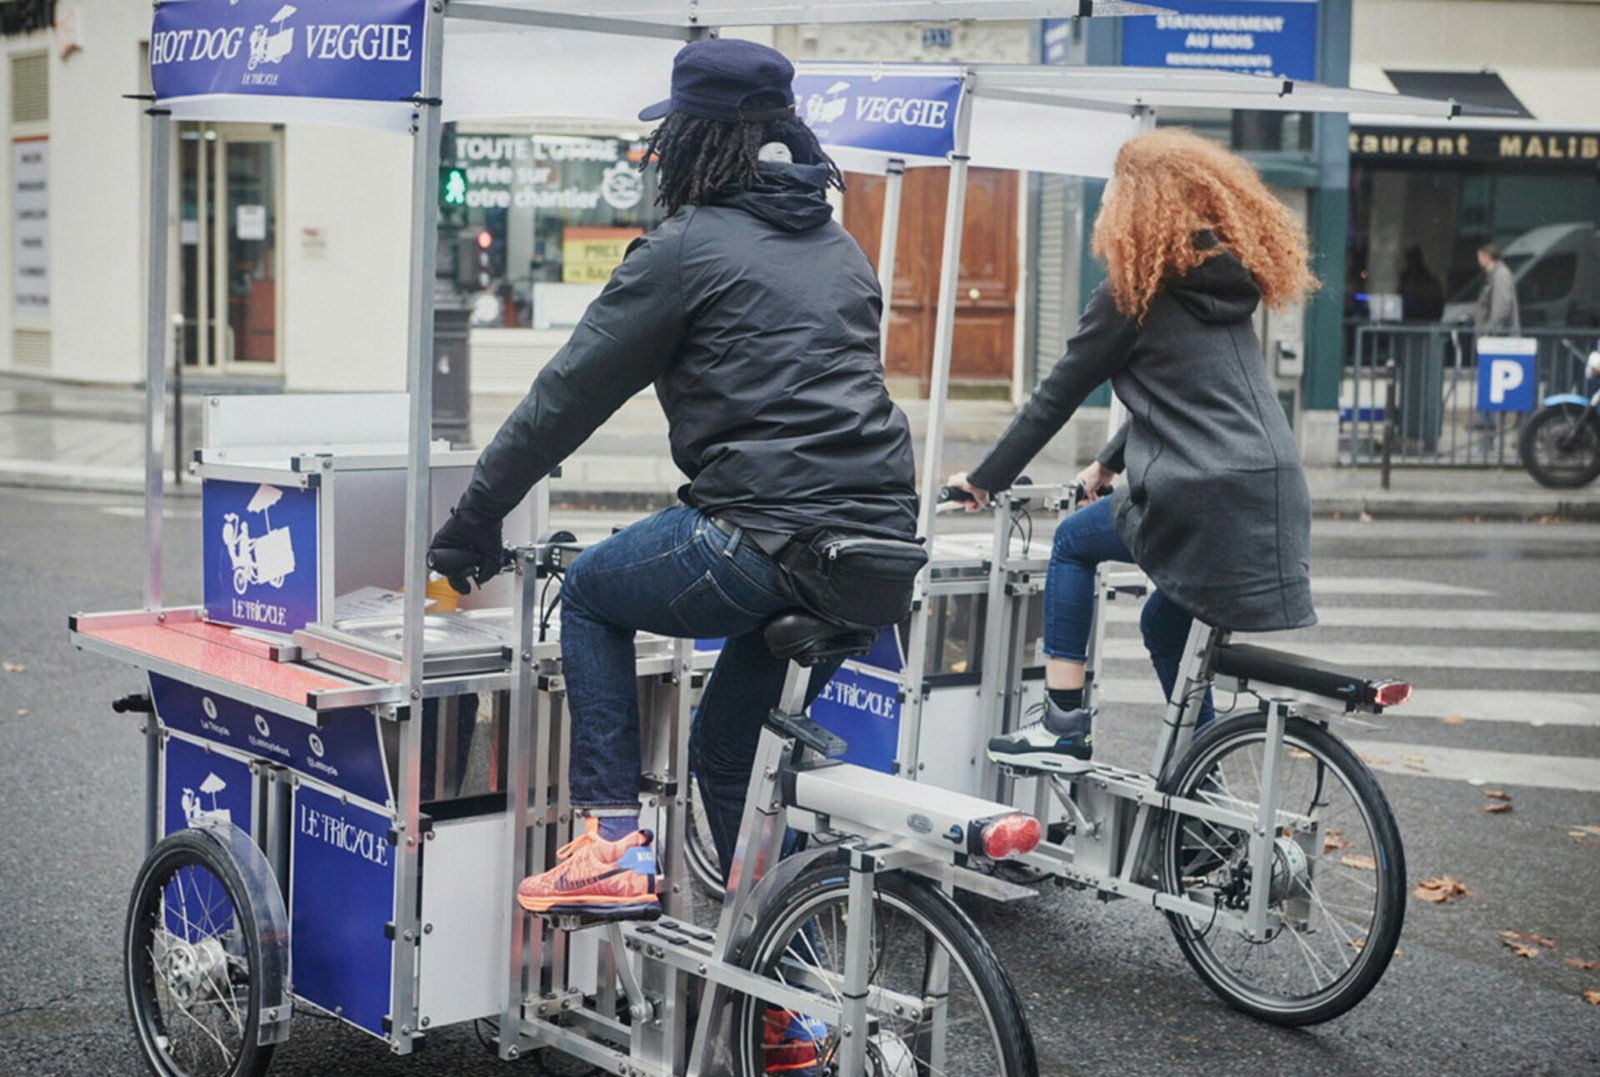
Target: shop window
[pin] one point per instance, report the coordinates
(1549, 280)
(533, 224)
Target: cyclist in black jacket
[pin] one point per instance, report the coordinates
(755, 315)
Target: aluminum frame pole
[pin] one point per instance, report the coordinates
(933, 446)
(425, 132)
(893, 175)
(155, 375)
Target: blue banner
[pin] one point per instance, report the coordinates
(865, 711)
(260, 554)
(343, 753)
(341, 897)
(1252, 37)
(913, 115)
(369, 50)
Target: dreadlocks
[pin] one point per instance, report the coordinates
(695, 157)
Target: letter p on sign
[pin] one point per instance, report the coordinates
(1505, 373)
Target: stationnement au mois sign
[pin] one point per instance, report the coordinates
(1575, 149)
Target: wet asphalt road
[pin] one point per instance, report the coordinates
(1107, 992)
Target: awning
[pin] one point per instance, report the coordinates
(1558, 98)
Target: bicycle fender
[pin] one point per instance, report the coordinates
(272, 924)
(1566, 398)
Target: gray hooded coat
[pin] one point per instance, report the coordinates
(1215, 507)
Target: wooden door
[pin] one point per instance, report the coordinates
(986, 290)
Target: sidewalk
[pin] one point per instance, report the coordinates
(72, 437)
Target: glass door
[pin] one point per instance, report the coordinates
(230, 246)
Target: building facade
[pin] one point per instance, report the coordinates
(289, 252)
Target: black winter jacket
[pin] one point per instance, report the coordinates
(1215, 508)
(757, 319)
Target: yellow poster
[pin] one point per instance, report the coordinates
(588, 255)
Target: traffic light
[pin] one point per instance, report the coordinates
(452, 195)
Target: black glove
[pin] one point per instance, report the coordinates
(467, 548)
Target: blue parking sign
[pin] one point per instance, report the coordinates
(1506, 373)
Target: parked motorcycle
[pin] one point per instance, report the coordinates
(1560, 445)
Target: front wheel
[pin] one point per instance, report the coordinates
(1337, 879)
(939, 1001)
(192, 955)
(1560, 446)
(700, 851)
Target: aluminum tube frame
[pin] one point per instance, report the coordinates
(933, 446)
(893, 178)
(155, 331)
(556, 20)
(404, 985)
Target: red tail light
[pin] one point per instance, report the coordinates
(1391, 693)
(1010, 835)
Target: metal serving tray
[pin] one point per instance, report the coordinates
(453, 643)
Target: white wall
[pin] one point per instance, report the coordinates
(96, 208)
(345, 312)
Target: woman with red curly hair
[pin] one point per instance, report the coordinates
(1215, 507)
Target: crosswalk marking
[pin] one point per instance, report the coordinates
(1424, 617)
(1383, 658)
(1491, 767)
(1431, 704)
(1386, 585)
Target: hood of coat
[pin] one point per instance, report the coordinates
(1220, 289)
(787, 196)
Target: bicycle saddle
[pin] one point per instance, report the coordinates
(808, 639)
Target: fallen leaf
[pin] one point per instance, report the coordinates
(1359, 944)
(1359, 862)
(1298, 753)
(1452, 719)
(1441, 890)
(1374, 761)
(1415, 762)
(1338, 514)
(1497, 794)
(1591, 996)
(13, 667)
(1333, 841)
(22, 712)
(1579, 829)
(1496, 809)
(1528, 938)
(1521, 950)
(1579, 963)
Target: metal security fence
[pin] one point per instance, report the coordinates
(1417, 387)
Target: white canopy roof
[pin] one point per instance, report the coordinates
(1040, 118)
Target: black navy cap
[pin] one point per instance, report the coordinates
(713, 78)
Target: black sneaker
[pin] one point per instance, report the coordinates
(1061, 741)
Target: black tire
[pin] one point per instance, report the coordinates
(1560, 446)
(176, 984)
(986, 1034)
(700, 851)
(1314, 929)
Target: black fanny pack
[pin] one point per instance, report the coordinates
(858, 581)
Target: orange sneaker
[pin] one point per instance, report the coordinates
(597, 879)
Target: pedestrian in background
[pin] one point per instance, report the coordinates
(1497, 303)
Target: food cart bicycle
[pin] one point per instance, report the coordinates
(332, 769)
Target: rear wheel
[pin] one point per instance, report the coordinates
(1337, 879)
(192, 955)
(939, 1002)
(1560, 446)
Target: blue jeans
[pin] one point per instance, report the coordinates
(674, 574)
(1083, 540)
